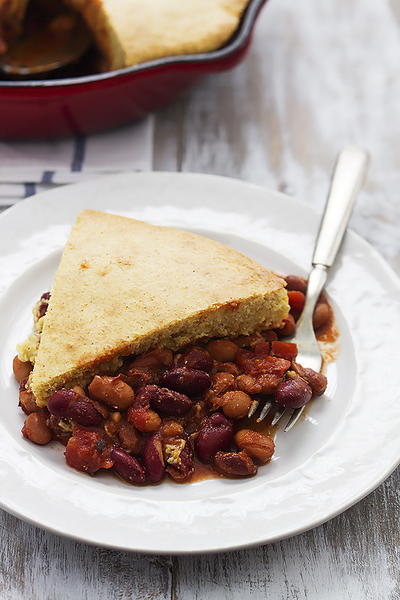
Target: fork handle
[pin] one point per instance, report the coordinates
(347, 179)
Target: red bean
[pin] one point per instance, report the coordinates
(187, 381)
(234, 464)
(223, 350)
(293, 393)
(68, 404)
(164, 401)
(196, 358)
(215, 434)
(153, 458)
(299, 284)
(21, 369)
(317, 381)
(127, 466)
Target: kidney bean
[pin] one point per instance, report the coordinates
(112, 391)
(58, 403)
(296, 300)
(289, 326)
(137, 378)
(216, 434)
(223, 350)
(144, 419)
(285, 350)
(321, 316)
(130, 439)
(259, 447)
(296, 283)
(127, 466)
(84, 413)
(187, 381)
(316, 381)
(21, 369)
(179, 458)
(293, 393)
(153, 458)
(69, 404)
(196, 358)
(235, 405)
(35, 428)
(166, 402)
(234, 464)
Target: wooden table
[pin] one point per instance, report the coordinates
(320, 74)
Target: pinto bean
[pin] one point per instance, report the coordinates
(21, 369)
(36, 430)
(113, 391)
(235, 404)
(321, 316)
(317, 381)
(259, 447)
(223, 350)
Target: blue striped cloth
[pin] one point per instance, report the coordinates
(29, 167)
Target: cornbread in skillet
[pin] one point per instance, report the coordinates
(134, 31)
(12, 13)
(124, 286)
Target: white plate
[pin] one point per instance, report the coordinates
(348, 444)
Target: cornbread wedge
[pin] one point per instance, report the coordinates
(124, 286)
(133, 31)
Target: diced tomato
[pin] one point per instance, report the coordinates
(88, 451)
(262, 348)
(296, 300)
(267, 364)
(285, 350)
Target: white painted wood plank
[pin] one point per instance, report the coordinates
(36, 565)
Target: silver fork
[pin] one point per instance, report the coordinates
(347, 179)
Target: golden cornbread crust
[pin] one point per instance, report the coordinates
(133, 31)
(124, 286)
